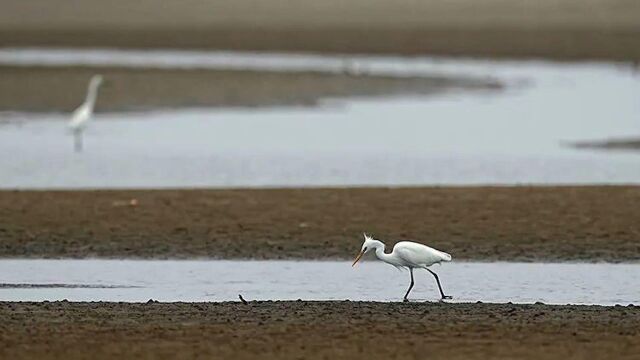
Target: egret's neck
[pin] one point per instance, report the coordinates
(92, 94)
(380, 254)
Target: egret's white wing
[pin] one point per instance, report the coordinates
(419, 255)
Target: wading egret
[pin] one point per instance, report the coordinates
(407, 254)
(84, 112)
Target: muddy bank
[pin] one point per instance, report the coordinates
(603, 29)
(316, 330)
(627, 144)
(591, 223)
(506, 43)
(64, 88)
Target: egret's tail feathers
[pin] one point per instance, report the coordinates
(445, 257)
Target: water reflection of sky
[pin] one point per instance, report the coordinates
(165, 280)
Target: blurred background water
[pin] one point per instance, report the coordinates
(518, 135)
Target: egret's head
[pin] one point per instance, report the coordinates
(96, 80)
(368, 245)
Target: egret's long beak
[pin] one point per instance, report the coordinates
(357, 258)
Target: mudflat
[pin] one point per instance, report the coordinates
(568, 29)
(129, 89)
(317, 330)
(589, 223)
(620, 144)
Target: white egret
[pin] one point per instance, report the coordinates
(84, 112)
(407, 254)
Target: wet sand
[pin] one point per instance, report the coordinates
(626, 144)
(590, 223)
(570, 29)
(140, 89)
(318, 330)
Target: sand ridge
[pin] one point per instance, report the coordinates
(143, 89)
(568, 29)
(316, 330)
(588, 223)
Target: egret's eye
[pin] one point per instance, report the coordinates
(365, 249)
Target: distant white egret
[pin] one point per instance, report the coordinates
(407, 254)
(351, 68)
(84, 112)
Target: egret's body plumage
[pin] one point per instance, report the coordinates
(80, 117)
(83, 114)
(407, 254)
(419, 255)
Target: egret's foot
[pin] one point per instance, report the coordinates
(405, 300)
(446, 297)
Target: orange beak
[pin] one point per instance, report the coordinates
(357, 258)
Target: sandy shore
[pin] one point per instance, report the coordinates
(317, 330)
(137, 89)
(625, 144)
(569, 29)
(474, 223)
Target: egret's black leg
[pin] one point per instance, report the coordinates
(410, 286)
(77, 141)
(439, 286)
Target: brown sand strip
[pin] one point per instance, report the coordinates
(630, 143)
(135, 89)
(557, 44)
(592, 223)
(316, 330)
(567, 29)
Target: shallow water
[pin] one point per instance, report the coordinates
(510, 137)
(136, 281)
